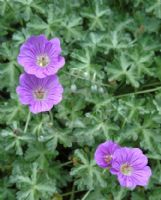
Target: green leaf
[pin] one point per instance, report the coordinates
(6, 190)
(86, 172)
(34, 186)
(8, 67)
(122, 69)
(38, 152)
(97, 17)
(14, 139)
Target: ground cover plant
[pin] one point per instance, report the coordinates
(109, 77)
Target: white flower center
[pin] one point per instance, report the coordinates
(42, 60)
(107, 158)
(126, 169)
(39, 94)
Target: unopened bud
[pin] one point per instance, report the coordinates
(94, 88)
(73, 88)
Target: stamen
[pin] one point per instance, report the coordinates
(42, 60)
(108, 158)
(39, 94)
(126, 169)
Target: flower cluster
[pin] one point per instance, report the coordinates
(128, 164)
(39, 86)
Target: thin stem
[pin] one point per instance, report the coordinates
(151, 84)
(66, 163)
(82, 78)
(73, 192)
(122, 95)
(139, 92)
(85, 196)
(27, 122)
(51, 116)
(120, 194)
(104, 171)
(69, 193)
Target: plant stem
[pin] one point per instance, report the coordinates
(51, 116)
(139, 92)
(66, 163)
(119, 195)
(69, 193)
(73, 192)
(151, 84)
(85, 196)
(122, 95)
(82, 78)
(27, 122)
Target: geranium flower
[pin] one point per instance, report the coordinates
(130, 166)
(104, 153)
(41, 57)
(40, 94)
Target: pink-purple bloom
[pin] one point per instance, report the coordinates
(40, 94)
(41, 57)
(104, 153)
(130, 166)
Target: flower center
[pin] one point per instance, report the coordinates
(107, 158)
(39, 94)
(126, 169)
(42, 60)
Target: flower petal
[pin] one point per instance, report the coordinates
(142, 176)
(51, 87)
(105, 149)
(126, 181)
(37, 46)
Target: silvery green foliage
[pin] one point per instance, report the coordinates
(112, 90)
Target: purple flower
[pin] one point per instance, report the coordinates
(130, 166)
(39, 94)
(41, 57)
(104, 153)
